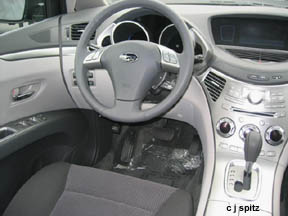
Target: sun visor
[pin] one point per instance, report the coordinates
(86, 4)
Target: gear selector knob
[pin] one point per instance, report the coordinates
(252, 149)
(253, 146)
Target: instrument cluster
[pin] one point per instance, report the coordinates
(152, 28)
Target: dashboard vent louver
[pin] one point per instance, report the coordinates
(259, 56)
(214, 85)
(77, 30)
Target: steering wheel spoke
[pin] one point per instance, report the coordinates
(93, 59)
(125, 109)
(169, 60)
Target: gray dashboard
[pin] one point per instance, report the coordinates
(46, 35)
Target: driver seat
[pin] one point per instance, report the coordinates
(66, 189)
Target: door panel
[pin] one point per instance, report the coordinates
(75, 136)
(50, 92)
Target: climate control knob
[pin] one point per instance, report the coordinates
(275, 135)
(225, 127)
(246, 129)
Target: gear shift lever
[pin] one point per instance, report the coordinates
(252, 149)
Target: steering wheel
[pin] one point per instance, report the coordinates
(134, 66)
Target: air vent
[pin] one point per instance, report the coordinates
(259, 56)
(77, 30)
(214, 85)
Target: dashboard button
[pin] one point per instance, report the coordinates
(233, 148)
(276, 77)
(256, 97)
(173, 58)
(240, 150)
(258, 77)
(226, 106)
(270, 154)
(253, 77)
(223, 145)
(90, 75)
(166, 57)
(91, 83)
(261, 122)
(263, 78)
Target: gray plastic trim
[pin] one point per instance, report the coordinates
(31, 37)
(29, 54)
(193, 109)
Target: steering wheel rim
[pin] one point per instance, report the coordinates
(128, 109)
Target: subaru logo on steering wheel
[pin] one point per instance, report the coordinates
(129, 57)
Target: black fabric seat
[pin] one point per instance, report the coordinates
(65, 189)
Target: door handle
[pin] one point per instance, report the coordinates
(22, 92)
(23, 96)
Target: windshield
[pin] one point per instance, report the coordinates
(11, 9)
(267, 3)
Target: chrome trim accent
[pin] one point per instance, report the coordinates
(132, 22)
(207, 48)
(238, 166)
(253, 49)
(129, 57)
(14, 131)
(93, 60)
(36, 53)
(162, 32)
(247, 129)
(107, 32)
(268, 133)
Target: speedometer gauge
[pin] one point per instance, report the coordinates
(170, 38)
(129, 30)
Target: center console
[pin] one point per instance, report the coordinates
(237, 109)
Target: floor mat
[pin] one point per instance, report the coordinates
(165, 165)
(166, 152)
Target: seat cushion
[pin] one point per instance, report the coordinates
(64, 189)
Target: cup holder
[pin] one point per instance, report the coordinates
(6, 132)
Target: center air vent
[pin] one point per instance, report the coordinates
(77, 30)
(214, 85)
(259, 56)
